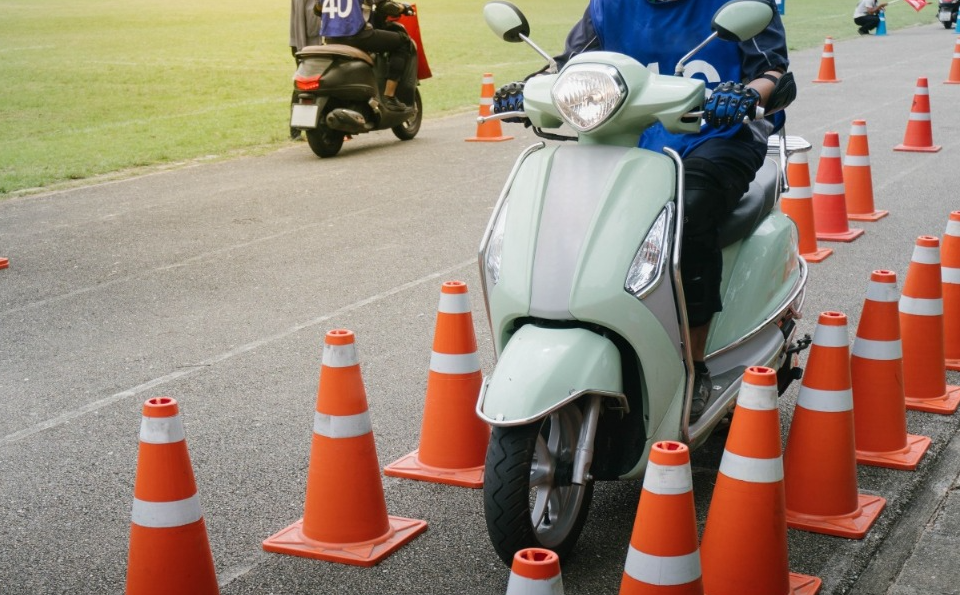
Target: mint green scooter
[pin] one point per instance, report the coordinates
(580, 273)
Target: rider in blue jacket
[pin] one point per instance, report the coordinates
(722, 159)
(351, 22)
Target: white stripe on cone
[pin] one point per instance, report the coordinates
(162, 515)
(340, 356)
(751, 469)
(662, 570)
(825, 401)
(342, 426)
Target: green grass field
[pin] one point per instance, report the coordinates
(105, 88)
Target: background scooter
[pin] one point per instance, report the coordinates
(947, 13)
(340, 92)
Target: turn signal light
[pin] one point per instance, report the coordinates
(306, 83)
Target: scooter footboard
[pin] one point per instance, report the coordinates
(542, 369)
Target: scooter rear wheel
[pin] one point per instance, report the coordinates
(325, 142)
(528, 497)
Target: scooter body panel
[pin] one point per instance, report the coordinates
(576, 216)
(759, 274)
(542, 368)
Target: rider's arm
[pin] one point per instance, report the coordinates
(765, 60)
(582, 38)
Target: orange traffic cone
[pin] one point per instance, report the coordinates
(921, 325)
(950, 275)
(453, 440)
(169, 550)
(797, 204)
(857, 176)
(488, 131)
(663, 557)
(954, 77)
(829, 196)
(744, 545)
(919, 134)
(876, 376)
(345, 516)
(828, 72)
(4, 262)
(535, 571)
(820, 463)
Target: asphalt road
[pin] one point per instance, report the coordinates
(215, 284)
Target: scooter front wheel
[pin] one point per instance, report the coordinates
(528, 497)
(411, 126)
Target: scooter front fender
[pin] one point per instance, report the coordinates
(542, 369)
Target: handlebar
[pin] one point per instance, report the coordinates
(500, 116)
(519, 114)
(699, 114)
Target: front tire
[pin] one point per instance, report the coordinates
(325, 142)
(411, 126)
(528, 497)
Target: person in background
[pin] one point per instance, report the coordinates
(353, 23)
(304, 31)
(867, 15)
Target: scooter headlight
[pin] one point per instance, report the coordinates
(494, 249)
(588, 94)
(648, 265)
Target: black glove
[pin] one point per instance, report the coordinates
(729, 104)
(318, 8)
(409, 11)
(391, 9)
(509, 98)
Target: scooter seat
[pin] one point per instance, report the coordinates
(754, 205)
(335, 49)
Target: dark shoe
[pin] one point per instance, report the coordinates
(393, 104)
(294, 134)
(702, 388)
(863, 31)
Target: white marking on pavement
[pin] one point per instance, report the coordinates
(161, 380)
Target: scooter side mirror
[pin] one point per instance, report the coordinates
(506, 21)
(740, 20)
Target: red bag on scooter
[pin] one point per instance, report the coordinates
(412, 25)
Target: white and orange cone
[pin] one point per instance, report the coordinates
(954, 77)
(797, 204)
(489, 131)
(876, 374)
(858, 177)
(828, 69)
(345, 516)
(535, 571)
(663, 557)
(919, 134)
(453, 439)
(950, 275)
(169, 550)
(744, 544)
(921, 325)
(820, 466)
(829, 195)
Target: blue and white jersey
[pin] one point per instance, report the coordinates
(342, 18)
(659, 34)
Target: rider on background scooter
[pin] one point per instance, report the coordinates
(723, 158)
(358, 24)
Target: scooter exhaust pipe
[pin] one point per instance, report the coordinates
(348, 121)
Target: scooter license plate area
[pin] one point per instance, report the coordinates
(945, 16)
(304, 116)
